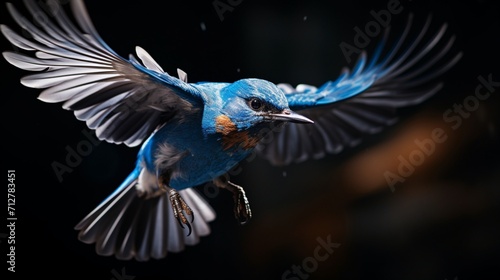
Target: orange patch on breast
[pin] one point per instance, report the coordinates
(231, 137)
(224, 125)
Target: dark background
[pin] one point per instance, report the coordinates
(441, 223)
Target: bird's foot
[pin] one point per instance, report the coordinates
(181, 209)
(242, 210)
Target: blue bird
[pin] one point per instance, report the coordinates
(193, 133)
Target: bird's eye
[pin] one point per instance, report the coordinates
(256, 104)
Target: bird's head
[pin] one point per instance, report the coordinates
(252, 103)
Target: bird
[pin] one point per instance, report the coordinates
(192, 133)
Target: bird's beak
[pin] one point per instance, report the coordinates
(289, 116)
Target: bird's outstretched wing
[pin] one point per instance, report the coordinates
(362, 101)
(123, 100)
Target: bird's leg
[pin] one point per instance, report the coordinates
(242, 210)
(163, 180)
(179, 206)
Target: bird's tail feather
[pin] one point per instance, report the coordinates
(129, 226)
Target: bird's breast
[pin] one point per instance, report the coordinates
(191, 157)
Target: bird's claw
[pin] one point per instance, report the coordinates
(242, 210)
(181, 209)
